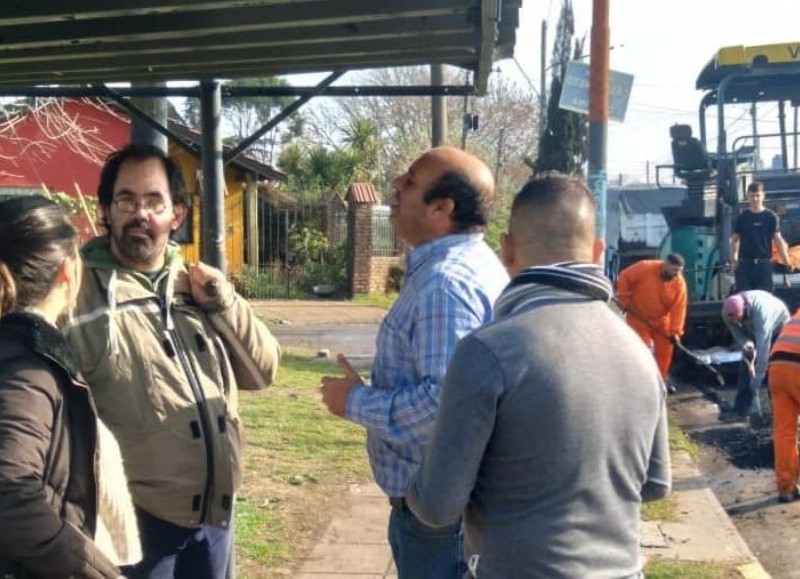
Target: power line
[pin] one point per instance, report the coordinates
(522, 71)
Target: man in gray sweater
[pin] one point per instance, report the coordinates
(552, 427)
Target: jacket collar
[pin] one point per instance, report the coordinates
(42, 337)
(569, 280)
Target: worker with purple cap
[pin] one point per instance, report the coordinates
(754, 317)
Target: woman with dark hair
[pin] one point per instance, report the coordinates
(52, 448)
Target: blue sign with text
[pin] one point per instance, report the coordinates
(575, 91)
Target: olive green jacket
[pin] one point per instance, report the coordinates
(164, 373)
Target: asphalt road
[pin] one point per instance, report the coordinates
(356, 341)
(739, 466)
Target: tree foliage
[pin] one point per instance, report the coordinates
(563, 142)
(507, 130)
(246, 115)
(316, 169)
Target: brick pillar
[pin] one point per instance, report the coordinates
(360, 244)
(360, 197)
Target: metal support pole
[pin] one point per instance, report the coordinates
(438, 109)
(726, 215)
(782, 124)
(794, 139)
(756, 140)
(598, 110)
(213, 200)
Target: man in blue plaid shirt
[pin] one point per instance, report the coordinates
(440, 207)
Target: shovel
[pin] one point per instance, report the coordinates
(694, 357)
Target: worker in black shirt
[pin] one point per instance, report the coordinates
(751, 243)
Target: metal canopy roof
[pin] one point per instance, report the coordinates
(145, 41)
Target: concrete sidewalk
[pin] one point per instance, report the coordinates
(355, 546)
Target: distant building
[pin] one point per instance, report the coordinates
(635, 224)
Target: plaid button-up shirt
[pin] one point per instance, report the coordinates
(450, 286)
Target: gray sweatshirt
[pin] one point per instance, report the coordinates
(552, 430)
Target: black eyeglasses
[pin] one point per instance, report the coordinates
(154, 205)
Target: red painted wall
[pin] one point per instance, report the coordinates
(61, 150)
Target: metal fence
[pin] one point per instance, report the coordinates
(303, 251)
(384, 242)
(300, 248)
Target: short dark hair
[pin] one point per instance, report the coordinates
(554, 215)
(471, 205)
(549, 189)
(676, 259)
(755, 186)
(110, 171)
(35, 239)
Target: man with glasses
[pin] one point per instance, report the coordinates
(164, 347)
(751, 243)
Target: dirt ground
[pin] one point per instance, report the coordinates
(739, 464)
(316, 312)
(309, 325)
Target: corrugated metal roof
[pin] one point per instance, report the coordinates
(263, 170)
(147, 41)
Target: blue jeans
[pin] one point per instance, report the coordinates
(423, 552)
(173, 552)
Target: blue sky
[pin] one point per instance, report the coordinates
(664, 44)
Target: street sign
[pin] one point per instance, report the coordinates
(575, 91)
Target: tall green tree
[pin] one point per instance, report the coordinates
(562, 143)
(314, 169)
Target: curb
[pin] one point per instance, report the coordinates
(753, 570)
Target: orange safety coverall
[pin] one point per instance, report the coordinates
(655, 309)
(784, 387)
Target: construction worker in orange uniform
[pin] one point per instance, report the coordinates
(784, 387)
(652, 293)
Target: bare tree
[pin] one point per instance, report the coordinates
(506, 134)
(56, 126)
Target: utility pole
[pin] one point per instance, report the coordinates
(498, 162)
(438, 110)
(543, 81)
(598, 110)
(465, 126)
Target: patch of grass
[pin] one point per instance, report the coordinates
(664, 510)
(662, 569)
(296, 453)
(378, 300)
(679, 441)
(667, 508)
